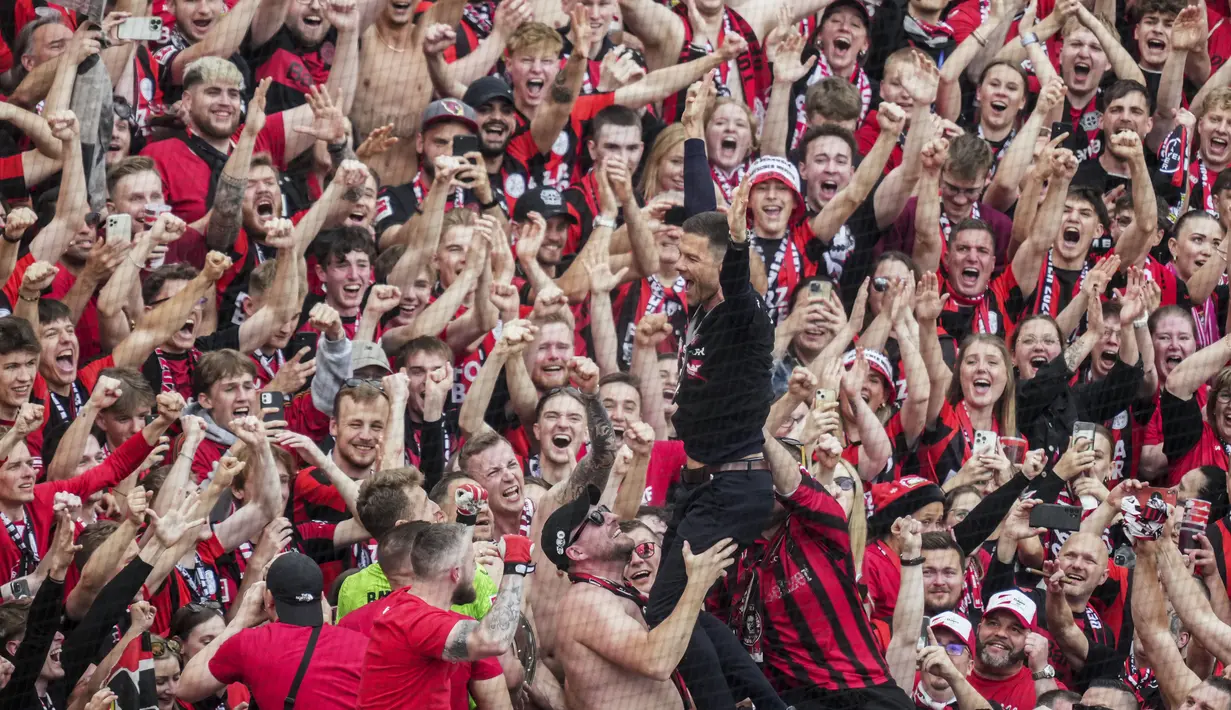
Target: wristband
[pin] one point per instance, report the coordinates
(1141, 322)
(11, 241)
(601, 221)
(488, 205)
(516, 551)
(522, 568)
(27, 300)
(915, 562)
(1029, 38)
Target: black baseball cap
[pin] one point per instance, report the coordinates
(858, 5)
(296, 582)
(558, 530)
(547, 201)
(487, 89)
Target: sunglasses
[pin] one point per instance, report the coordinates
(645, 550)
(594, 517)
(880, 284)
(359, 382)
(845, 483)
(161, 647)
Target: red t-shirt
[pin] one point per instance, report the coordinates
(361, 621)
(667, 458)
(186, 177)
(405, 651)
(89, 342)
(266, 659)
(1014, 693)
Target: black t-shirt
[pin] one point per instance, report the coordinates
(1091, 173)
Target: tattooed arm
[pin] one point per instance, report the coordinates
(471, 640)
(596, 466)
(226, 216)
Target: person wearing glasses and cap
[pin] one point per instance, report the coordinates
(616, 659)
(1004, 640)
(296, 660)
(944, 666)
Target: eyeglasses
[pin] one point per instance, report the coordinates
(971, 192)
(880, 284)
(645, 550)
(594, 517)
(123, 111)
(845, 483)
(957, 649)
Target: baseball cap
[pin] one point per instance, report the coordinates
(547, 201)
(295, 582)
(366, 354)
(877, 362)
(772, 167)
(487, 89)
(857, 5)
(449, 110)
(1014, 602)
(957, 624)
(558, 530)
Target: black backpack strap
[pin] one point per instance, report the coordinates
(303, 668)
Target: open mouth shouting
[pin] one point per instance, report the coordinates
(241, 410)
(264, 207)
(1071, 235)
(494, 132)
(561, 440)
(357, 216)
(1156, 44)
(511, 494)
(981, 385)
(202, 25)
(829, 189)
(1108, 357)
(534, 89)
(1218, 144)
(1038, 361)
(66, 361)
(728, 149)
(187, 330)
(400, 7)
(352, 292)
(1081, 71)
(313, 21)
(998, 106)
(968, 279)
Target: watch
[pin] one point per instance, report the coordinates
(601, 221)
(1029, 38)
(913, 562)
(1047, 673)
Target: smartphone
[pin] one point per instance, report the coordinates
(1059, 128)
(275, 401)
(1083, 430)
(141, 29)
(1056, 517)
(465, 144)
(985, 442)
(820, 290)
(149, 418)
(120, 228)
(299, 341)
(826, 395)
(923, 633)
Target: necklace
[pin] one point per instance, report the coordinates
(382, 41)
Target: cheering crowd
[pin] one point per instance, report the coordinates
(606, 354)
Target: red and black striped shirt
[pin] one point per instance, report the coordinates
(806, 613)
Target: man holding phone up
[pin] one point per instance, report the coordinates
(1079, 568)
(449, 128)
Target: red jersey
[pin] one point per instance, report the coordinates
(27, 540)
(187, 177)
(805, 572)
(1014, 693)
(89, 345)
(407, 642)
(866, 135)
(556, 169)
(266, 659)
(187, 586)
(667, 459)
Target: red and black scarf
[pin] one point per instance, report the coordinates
(753, 66)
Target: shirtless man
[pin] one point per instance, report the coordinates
(613, 658)
(489, 459)
(394, 84)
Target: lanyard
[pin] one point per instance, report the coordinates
(968, 428)
(420, 193)
(27, 544)
(946, 226)
(201, 585)
(77, 404)
(1049, 301)
(775, 299)
(268, 363)
(728, 182)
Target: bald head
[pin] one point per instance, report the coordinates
(1083, 560)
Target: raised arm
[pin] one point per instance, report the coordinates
(918, 384)
(223, 40)
(1132, 246)
(920, 80)
(929, 243)
(594, 468)
(1029, 258)
(1121, 61)
(71, 205)
(1198, 368)
(472, 640)
(652, 329)
(226, 214)
(658, 28)
(969, 58)
(1190, 602)
(553, 116)
(1011, 173)
(513, 340)
(1149, 609)
(661, 83)
(785, 51)
(834, 214)
(900, 655)
(162, 322)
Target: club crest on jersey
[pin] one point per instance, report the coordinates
(515, 185)
(560, 147)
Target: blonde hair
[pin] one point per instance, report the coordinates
(1074, 24)
(535, 36)
(459, 218)
(1219, 99)
(667, 140)
(212, 70)
(752, 121)
(857, 521)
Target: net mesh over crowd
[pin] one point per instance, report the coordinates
(615, 354)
